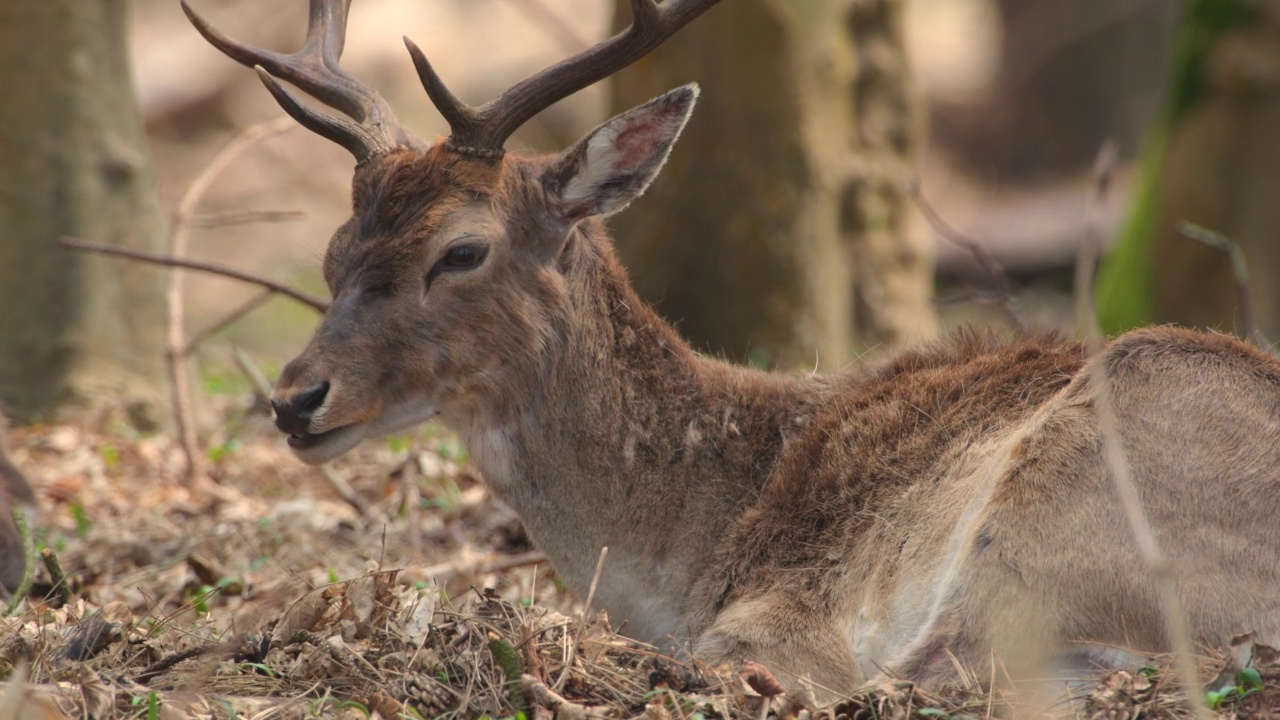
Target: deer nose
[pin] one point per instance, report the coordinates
(293, 416)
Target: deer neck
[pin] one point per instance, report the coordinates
(630, 440)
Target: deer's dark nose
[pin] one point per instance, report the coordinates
(293, 416)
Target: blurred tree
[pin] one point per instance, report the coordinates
(781, 228)
(1071, 76)
(77, 333)
(1213, 159)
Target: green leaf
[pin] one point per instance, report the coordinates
(1251, 679)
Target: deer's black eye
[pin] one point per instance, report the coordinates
(458, 258)
(462, 257)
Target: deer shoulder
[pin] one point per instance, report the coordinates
(915, 516)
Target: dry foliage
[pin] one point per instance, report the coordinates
(219, 601)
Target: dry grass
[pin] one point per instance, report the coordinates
(265, 594)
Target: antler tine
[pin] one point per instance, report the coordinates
(483, 131)
(316, 71)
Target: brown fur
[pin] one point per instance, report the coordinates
(14, 492)
(951, 502)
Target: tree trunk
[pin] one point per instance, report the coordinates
(780, 230)
(78, 334)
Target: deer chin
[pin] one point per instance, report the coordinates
(321, 447)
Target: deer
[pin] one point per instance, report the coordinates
(903, 517)
(15, 493)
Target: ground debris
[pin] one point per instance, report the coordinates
(265, 594)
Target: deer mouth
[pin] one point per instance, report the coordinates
(316, 448)
(321, 447)
(307, 441)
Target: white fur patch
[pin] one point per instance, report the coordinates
(623, 155)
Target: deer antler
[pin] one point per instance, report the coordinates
(482, 131)
(372, 129)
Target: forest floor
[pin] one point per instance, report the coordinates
(392, 585)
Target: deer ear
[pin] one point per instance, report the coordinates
(614, 164)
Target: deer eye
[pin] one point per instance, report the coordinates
(462, 257)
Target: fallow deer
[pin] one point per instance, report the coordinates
(15, 492)
(908, 516)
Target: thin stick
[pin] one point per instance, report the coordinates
(222, 323)
(1091, 244)
(29, 565)
(449, 571)
(61, 586)
(545, 697)
(1239, 268)
(261, 387)
(1117, 464)
(312, 301)
(595, 579)
(245, 217)
(345, 490)
(990, 266)
(176, 335)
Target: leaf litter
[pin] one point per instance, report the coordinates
(261, 591)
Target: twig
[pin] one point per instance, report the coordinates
(991, 267)
(61, 586)
(1117, 466)
(312, 301)
(345, 490)
(448, 571)
(1239, 268)
(595, 579)
(1091, 244)
(29, 557)
(245, 217)
(261, 387)
(543, 696)
(222, 323)
(166, 663)
(176, 335)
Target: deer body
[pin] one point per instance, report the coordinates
(933, 511)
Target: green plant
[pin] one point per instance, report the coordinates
(151, 701)
(199, 600)
(1248, 682)
(81, 517)
(231, 447)
(110, 455)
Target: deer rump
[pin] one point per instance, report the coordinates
(947, 509)
(965, 517)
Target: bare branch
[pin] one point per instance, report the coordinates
(245, 217)
(176, 338)
(448, 571)
(994, 271)
(222, 323)
(61, 584)
(312, 301)
(255, 376)
(1239, 268)
(1113, 455)
(23, 525)
(545, 697)
(1091, 244)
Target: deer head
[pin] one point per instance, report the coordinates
(448, 280)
